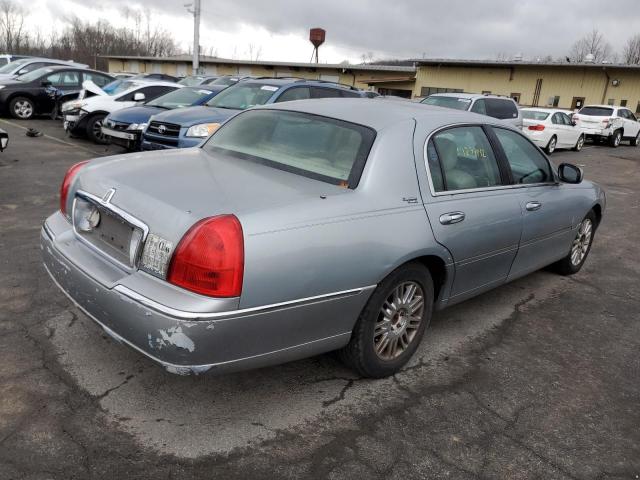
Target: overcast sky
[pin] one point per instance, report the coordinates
(476, 29)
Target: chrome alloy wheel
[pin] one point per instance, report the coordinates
(23, 109)
(552, 145)
(97, 130)
(582, 241)
(398, 320)
(580, 143)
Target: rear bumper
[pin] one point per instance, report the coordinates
(185, 342)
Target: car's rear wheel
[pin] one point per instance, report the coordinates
(614, 140)
(635, 141)
(94, 129)
(579, 144)
(551, 146)
(580, 247)
(392, 323)
(22, 108)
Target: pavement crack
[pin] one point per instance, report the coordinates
(113, 389)
(341, 395)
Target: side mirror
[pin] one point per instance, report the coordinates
(569, 173)
(45, 83)
(574, 123)
(138, 97)
(4, 140)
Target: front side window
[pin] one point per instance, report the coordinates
(527, 164)
(325, 149)
(243, 96)
(465, 160)
(456, 103)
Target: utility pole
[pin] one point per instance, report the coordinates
(196, 34)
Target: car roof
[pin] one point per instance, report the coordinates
(381, 113)
(546, 110)
(603, 106)
(286, 81)
(470, 96)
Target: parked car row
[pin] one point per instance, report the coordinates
(550, 128)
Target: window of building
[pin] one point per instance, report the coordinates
(638, 108)
(553, 101)
(426, 91)
(515, 96)
(611, 101)
(623, 103)
(486, 92)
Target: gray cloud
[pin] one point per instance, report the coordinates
(411, 28)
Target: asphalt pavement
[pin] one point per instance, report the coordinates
(539, 378)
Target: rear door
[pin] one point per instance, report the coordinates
(631, 125)
(472, 211)
(548, 216)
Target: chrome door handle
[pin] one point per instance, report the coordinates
(450, 218)
(531, 206)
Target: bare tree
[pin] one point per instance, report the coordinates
(254, 52)
(593, 43)
(11, 25)
(631, 51)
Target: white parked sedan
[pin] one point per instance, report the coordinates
(551, 128)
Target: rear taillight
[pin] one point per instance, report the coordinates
(209, 259)
(537, 128)
(66, 183)
(606, 122)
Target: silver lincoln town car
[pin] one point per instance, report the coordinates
(311, 226)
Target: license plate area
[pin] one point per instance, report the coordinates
(107, 231)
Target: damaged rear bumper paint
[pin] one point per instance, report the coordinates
(194, 342)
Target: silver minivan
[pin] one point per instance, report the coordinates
(502, 108)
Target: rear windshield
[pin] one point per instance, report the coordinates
(244, 95)
(224, 81)
(321, 148)
(191, 81)
(533, 115)
(448, 102)
(181, 97)
(596, 111)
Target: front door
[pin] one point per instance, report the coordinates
(547, 222)
(470, 210)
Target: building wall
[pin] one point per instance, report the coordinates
(565, 82)
(358, 79)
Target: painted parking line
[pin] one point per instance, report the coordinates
(74, 145)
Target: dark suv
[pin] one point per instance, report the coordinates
(187, 127)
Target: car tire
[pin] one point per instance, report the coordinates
(382, 320)
(580, 247)
(94, 132)
(614, 140)
(22, 108)
(579, 144)
(551, 146)
(635, 141)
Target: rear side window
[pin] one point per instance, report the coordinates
(596, 111)
(501, 108)
(296, 93)
(325, 149)
(461, 158)
(527, 164)
(319, 92)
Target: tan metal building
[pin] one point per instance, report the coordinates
(361, 76)
(565, 85)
